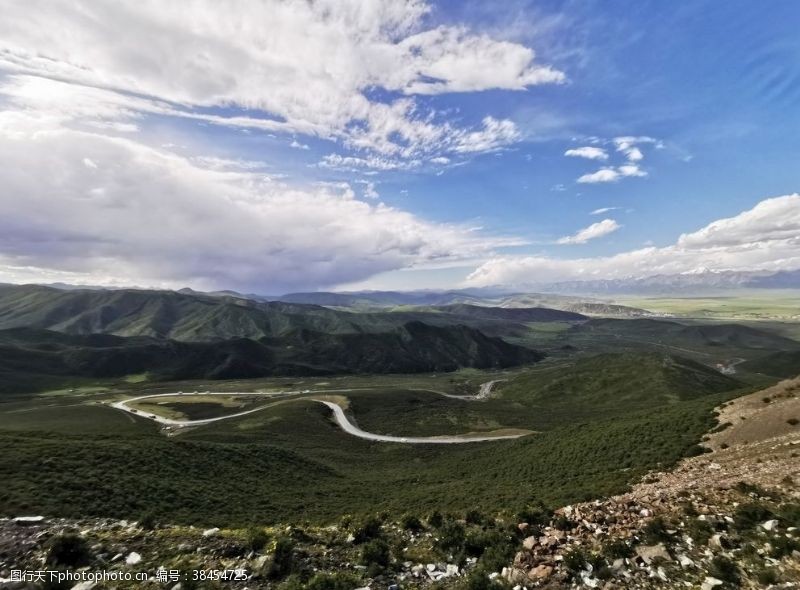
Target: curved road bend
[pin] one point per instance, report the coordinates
(350, 428)
(339, 415)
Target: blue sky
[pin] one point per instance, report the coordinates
(425, 145)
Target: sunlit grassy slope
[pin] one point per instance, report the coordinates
(291, 462)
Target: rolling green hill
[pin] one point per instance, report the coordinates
(292, 464)
(28, 356)
(784, 364)
(618, 380)
(513, 314)
(713, 339)
(548, 396)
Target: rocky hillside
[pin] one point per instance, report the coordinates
(728, 519)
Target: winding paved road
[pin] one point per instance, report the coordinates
(350, 428)
(338, 413)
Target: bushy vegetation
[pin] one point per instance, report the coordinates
(321, 581)
(750, 515)
(375, 553)
(68, 550)
(293, 464)
(370, 528)
(724, 569)
(282, 563)
(256, 538)
(655, 531)
(411, 522)
(617, 549)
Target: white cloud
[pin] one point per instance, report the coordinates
(628, 146)
(298, 146)
(353, 163)
(635, 154)
(764, 237)
(301, 67)
(631, 170)
(589, 152)
(610, 174)
(625, 145)
(771, 220)
(602, 175)
(602, 210)
(150, 217)
(594, 231)
(369, 191)
(493, 135)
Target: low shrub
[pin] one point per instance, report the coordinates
(451, 535)
(473, 517)
(562, 523)
(767, 576)
(536, 515)
(370, 528)
(282, 563)
(655, 532)
(148, 521)
(411, 523)
(322, 581)
(575, 560)
(724, 569)
(375, 552)
(750, 515)
(256, 538)
(700, 531)
(789, 514)
(617, 549)
(69, 550)
(783, 546)
(436, 519)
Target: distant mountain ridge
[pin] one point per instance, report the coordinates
(203, 317)
(471, 297)
(49, 333)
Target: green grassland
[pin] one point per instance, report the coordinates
(198, 407)
(590, 388)
(745, 305)
(709, 343)
(290, 462)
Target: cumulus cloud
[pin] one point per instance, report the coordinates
(765, 237)
(610, 174)
(150, 217)
(602, 175)
(628, 146)
(594, 231)
(770, 221)
(588, 152)
(298, 67)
